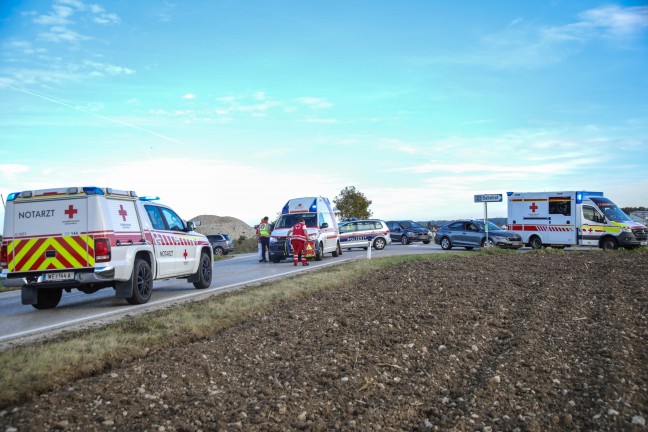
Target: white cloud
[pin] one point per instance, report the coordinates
(10, 171)
(315, 103)
(189, 96)
(321, 120)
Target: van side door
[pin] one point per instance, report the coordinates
(593, 225)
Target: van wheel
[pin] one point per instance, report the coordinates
(609, 243)
(48, 298)
(446, 244)
(535, 243)
(319, 252)
(404, 240)
(142, 280)
(204, 274)
(379, 243)
(337, 250)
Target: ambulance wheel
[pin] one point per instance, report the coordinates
(204, 272)
(446, 244)
(535, 243)
(404, 240)
(275, 260)
(48, 298)
(426, 241)
(379, 243)
(337, 250)
(609, 243)
(319, 252)
(142, 281)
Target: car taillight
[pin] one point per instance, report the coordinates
(102, 250)
(3, 257)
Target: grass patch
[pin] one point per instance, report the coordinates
(27, 371)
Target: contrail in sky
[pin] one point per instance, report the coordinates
(65, 104)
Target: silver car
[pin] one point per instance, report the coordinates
(472, 233)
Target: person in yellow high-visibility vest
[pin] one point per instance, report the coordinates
(264, 239)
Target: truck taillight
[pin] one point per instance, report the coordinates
(102, 250)
(3, 257)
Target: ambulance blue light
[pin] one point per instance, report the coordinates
(313, 207)
(12, 196)
(285, 208)
(149, 198)
(92, 191)
(509, 193)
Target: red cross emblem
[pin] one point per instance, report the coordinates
(185, 254)
(533, 207)
(123, 213)
(71, 211)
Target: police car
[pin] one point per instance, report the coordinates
(361, 233)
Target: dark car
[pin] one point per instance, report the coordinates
(221, 243)
(472, 233)
(407, 231)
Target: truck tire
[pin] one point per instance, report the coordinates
(204, 275)
(535, 243)
(48, 298)
(609, 243)
(142, 281)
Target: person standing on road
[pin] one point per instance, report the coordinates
(298, 239)
(264, 239)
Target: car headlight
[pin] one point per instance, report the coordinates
(411, 234)
(626, 229)
(273, 239)
(500, 238)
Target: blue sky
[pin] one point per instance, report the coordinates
(233, 107)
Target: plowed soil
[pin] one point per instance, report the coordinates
(528, 342)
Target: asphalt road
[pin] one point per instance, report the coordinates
(21, 323)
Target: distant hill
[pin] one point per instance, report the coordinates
(210, 224)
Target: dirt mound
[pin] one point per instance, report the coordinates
(210, 224)
(528, 342)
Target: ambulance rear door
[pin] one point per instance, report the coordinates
(50, 233)
(561, 219)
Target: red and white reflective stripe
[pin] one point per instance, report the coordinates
(552, 228)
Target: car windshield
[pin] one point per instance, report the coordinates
(288, 220)
(410, 224)
(491, 226)
(611, 210)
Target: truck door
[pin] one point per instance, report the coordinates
(562, 220)
(162, 242)
(593, 225)
(184, 252)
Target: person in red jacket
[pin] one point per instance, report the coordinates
(298, 239)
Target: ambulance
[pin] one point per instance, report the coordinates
(572, 218)
(91, 238)
(322, 227)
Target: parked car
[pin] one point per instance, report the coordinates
(472, 233)
(221, 243)
(359, 233)
(407, 231)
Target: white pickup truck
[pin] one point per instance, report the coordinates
(91, 238)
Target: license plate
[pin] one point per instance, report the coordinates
(62, 276)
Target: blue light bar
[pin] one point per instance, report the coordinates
(149, 198)
(93, 190)
(12, 196)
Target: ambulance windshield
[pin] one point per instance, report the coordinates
(610, 210)
(288, 220)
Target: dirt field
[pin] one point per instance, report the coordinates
(528, 342)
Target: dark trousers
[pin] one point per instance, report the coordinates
(265, 246)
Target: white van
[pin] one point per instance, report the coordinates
(321, 225)
(571, 218)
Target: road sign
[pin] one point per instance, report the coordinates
(488, 198)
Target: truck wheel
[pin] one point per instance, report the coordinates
(379, 243)
(404, 240)
(142, 280)
(319, 252)
(204, 274)
(48, 298)
(446, 244)
(219, 250)
(609, 243)
(337, 250)
(535, 242)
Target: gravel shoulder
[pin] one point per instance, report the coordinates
(532, 342)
